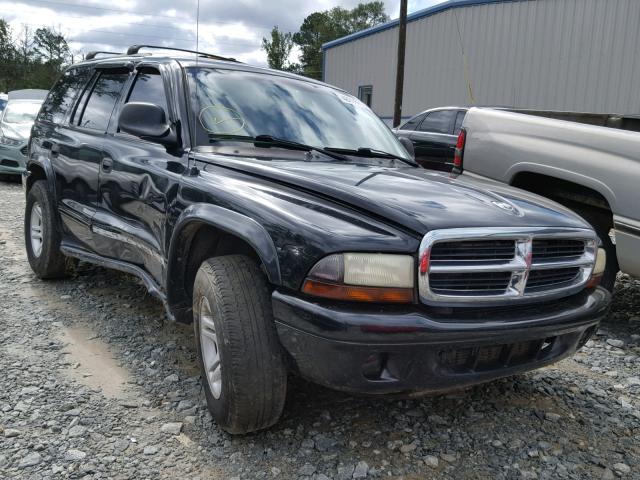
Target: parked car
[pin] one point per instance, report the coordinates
(433, 134)
(15, 127)
(284, 219)
(592, 167)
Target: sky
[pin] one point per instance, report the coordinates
(227, 27)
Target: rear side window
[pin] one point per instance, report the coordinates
(459, 119)
(62, 95)
(102, 99)
(438, 122)
(148, 87)
(413, 123)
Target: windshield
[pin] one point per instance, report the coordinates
(238, 103)
(21, 112)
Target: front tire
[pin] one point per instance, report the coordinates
(41, 234)
(243, 372)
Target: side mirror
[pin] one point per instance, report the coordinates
(408, 146)
(147, 121)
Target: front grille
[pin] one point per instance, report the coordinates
(551, 277)
(23, 150)
(500, 264)
(553, 249)
(9, 163)
(470, 283)
(469, 251)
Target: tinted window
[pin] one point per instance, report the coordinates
(413, 123)
(3, 103)
(62, 95)
(438, 122)
(459, 119)
(103, 98)
(148, 87)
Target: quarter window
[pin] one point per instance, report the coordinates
(438, 122)
(413, 123)
(62, 95)
(103, 98)
(459, 119)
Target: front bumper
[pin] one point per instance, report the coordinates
(390, 350)
(12, 159)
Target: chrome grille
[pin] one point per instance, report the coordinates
(550, 248)
(494, 265)
(465, 251)
(550, 278)
(469, 283)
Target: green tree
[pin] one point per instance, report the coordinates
(7, 56)
(51, 46)
(278, 49)
(321, 27)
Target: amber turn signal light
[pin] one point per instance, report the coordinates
(358, 293)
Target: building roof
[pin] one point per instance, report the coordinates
(426, 12)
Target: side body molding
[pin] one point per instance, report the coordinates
(227, 221)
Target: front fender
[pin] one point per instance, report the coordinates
(235, 224)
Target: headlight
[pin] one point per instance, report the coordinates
(363, 277)
(12, 142)
(598, 268)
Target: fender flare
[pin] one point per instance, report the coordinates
(561, 174)
(233, 223)
(45, 164)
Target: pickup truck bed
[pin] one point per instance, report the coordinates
(592, 169)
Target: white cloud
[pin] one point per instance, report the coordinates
(227, 28)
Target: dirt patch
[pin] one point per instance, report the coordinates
(93, 364)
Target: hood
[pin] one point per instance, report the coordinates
(415, 198)
(18, 131)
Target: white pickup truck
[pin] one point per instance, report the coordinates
(591, 169)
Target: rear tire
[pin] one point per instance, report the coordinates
(243, 372)
(42, 235)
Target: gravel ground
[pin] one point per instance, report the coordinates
(96, 384)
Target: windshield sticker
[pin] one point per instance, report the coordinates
(219, 119)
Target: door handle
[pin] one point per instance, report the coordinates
(107, 164)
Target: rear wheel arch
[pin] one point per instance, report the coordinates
(561, 190)
(198, 237)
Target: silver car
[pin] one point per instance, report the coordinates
(15, 128)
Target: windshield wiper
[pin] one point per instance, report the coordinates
(268, 141)
(370, 152)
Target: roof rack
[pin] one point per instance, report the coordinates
(92, 55)
(133, 49)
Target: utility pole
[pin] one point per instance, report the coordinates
(402, 43)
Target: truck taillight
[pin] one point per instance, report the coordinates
(459, 151)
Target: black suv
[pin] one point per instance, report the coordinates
(287, 222)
